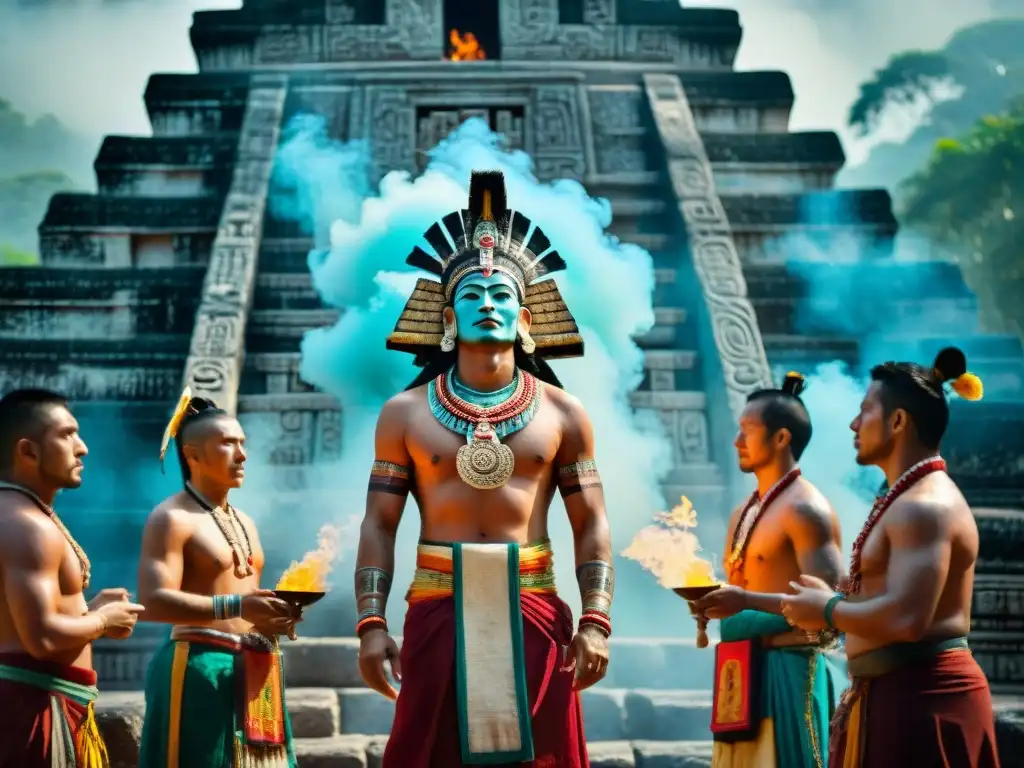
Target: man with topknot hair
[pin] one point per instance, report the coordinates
(215, 689)
(918, 696)
(787, 527)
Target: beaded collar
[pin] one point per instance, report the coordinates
(906, 481)
(750, 517)
(484, 419)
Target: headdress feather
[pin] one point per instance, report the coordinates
(488, 236)
(180, 411)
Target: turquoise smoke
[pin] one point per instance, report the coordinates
(361, 269)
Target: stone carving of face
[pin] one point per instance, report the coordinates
(487, 309)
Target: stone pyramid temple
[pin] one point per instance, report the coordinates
(175, 272)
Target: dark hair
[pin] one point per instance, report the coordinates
(200, 410)
(21, 415)
(439, 363)
(783, 409)
(918, 391)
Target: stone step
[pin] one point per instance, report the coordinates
(898, 279)
(281, 330)
(865, 209)
(68, 287)
(806, 149)
(894, 314)
(979, 347)
(786, 349)
(367, 752)
(671, 330)
(671, 369)
(196, 105)
(609, 714)
(286, 290)
(288, 255)
(77, 212)
(287, 401)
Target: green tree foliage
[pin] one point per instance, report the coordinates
(986, 63)
(13, 257)
(27, 147)
(23, 202)
(970, 197)
(907, 78)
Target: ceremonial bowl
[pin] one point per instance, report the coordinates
(301, 599)
(695, 593)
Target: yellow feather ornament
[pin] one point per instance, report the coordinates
(172, 426)
(969, 387)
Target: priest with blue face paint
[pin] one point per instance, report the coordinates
(491, 664)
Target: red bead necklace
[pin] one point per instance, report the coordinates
(521, 399)
(734, 563)
(880, 507)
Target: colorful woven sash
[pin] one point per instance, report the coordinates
(434, 567)
(88, 750)
(259, 721)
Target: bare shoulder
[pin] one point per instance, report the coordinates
(806, 504)
(29, 536)
(918, 518)
(171, 516)
(568, 406)
(396, 412)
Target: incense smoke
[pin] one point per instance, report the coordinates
(361, 269)
(901, 304)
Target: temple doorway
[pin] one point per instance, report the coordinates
(472, 30)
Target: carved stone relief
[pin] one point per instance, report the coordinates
(330, 103)
(618, 134)
(413, 31)
(389, 121)
(599, 11)
(217, 351)
(736, 332)
(558, 132)
(402, 123)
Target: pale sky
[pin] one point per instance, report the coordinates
(87, 61)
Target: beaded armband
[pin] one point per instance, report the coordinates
(578, 477)
(227, 607)
(372, 587)
(386, 477)
(597, 585)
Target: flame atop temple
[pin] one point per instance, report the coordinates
(669, 549)
(310, 573)
(464, 47)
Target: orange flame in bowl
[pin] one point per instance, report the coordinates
(310, 574)
(465, 47)
(670, 550)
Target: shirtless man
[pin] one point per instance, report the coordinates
(918, 697)
(482, 438)
(47, 682)
(200, 571)
(785, 529)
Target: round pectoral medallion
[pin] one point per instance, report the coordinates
(485, 464)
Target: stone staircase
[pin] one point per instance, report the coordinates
(652, 711)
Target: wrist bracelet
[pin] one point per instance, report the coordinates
(227, 607)
(830, 608)
(367, 623)
(598, 620)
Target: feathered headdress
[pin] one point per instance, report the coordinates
(486, 237)
(180, 412)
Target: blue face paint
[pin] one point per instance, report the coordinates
(487, 309)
